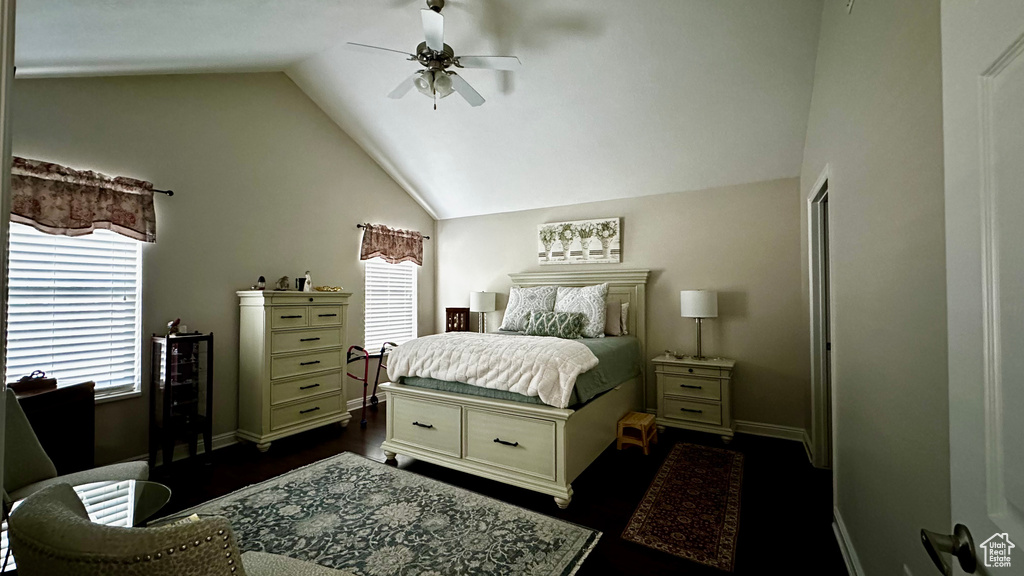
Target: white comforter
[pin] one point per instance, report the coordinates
(529, 365)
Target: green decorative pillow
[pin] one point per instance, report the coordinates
(567, 325)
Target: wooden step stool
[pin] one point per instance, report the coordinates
(646, 433)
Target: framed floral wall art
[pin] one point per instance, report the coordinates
(580, 242)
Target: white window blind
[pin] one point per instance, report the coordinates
(74, 308)
(390, 306)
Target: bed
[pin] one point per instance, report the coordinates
(532, 446)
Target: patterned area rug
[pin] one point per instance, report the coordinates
(362, 516)
(692, 509)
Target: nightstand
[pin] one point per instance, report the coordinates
(695, 394)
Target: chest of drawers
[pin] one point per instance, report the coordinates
(695, 394)
(291, 363)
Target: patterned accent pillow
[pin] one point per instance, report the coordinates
(589, 300)
(567, 325)
(521, 301)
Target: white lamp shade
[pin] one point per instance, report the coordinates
(481, 301)
(698, 304)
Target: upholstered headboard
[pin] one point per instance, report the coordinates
(623, 286)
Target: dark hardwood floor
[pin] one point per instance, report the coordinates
(785, 514)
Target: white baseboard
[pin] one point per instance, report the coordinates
(357, 403)
(181, 450)
(775, 431)
(845, 546)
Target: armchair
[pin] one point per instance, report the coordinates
(28, 468)
(50, 533)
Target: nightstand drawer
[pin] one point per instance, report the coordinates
(431, 425)
(708, 388)
(692, 411)
(288, 317)
(688, 370)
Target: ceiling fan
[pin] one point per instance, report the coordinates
(436, 57)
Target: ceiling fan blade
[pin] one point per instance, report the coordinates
(489, 62)
(375, 49)
(433, 29)
(465, 90)
(403, 88)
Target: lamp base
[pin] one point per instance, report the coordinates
(698, 356)
(482, 324)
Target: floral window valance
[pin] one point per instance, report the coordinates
(391, 244)
(59, 200)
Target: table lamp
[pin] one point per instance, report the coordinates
(699, 304)
(481, 302)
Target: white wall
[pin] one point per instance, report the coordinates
(265, 184)
(743, 241)
(876, 119)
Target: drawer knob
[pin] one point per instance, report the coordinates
(293, 316)
(500, 441)
(689, 386)
(308, 339)
(308, 387)
(308, 363)
(422, 425)
(690, 370)
(310, 298)
(313, 409)
(692, 410)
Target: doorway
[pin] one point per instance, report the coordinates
(822, 423)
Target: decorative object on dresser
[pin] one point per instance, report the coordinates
(456, 319)
(692, 509)
(290, 363)
(534, 446)
(180, 394)
(283, 283)
(351, 513)
(583, 237)
(698, 304)
(695, 394)
(481, 303)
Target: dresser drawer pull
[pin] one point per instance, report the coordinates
(308, 363)
(500, 441)
(308, 387)
(422, 425)
(326, 315)
(692, 410)
(313, 409)
(293, 316)
(308, 339)
(689, 386)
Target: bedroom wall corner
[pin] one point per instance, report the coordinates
(741, 240)
(266, 184)
(876, 121)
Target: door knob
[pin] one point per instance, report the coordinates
(959, 544)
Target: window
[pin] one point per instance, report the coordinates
(390, 307)
(74, 308)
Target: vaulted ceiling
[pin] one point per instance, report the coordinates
(613, 100)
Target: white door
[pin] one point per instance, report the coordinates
(983, 121)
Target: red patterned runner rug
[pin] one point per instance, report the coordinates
(692, 509)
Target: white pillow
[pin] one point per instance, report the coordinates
(588, 300)
(522, 301)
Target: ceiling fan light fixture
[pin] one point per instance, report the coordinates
(425, 83)
(442, 84)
